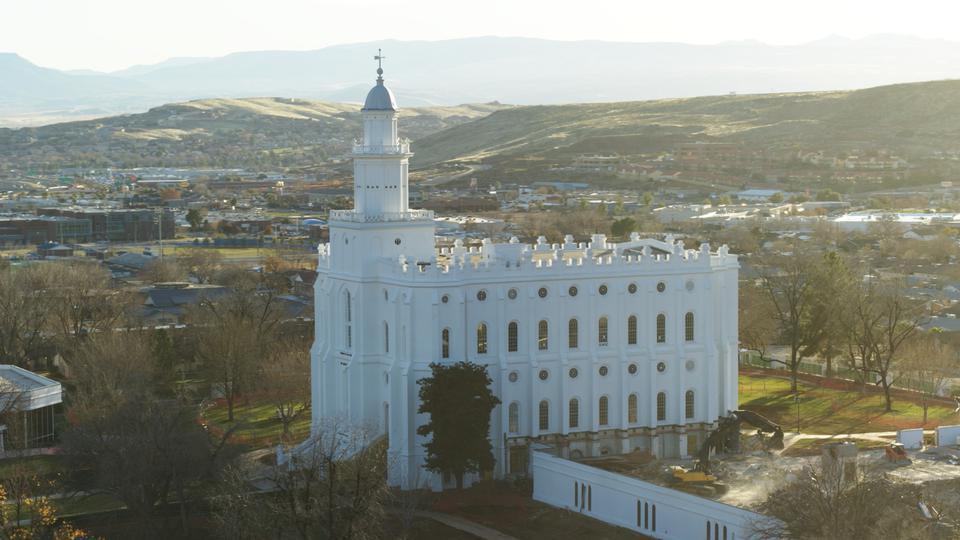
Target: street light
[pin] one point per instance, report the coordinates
(796, 399)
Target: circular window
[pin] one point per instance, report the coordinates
(661, 367)
(396, 241)
(690, 365)
(661, 286)
(690, 285)
(542, 292)
(513, 376)
(445, 298)
(512, 294)
(603, 371)
(572, 291)
(632, 288)
(544, 374)
(632, 369)
(481, 295)
(603, 289)
(573, 373)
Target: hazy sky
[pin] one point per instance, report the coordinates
(113, 34)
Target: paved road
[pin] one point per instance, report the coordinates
(440, 180)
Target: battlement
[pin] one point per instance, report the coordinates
(361, 150)
(580, 259)
(381, 217)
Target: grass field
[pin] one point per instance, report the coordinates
(832, 412)
(258, 424)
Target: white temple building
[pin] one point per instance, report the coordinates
(593, 348)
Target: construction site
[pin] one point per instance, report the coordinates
(748, 457)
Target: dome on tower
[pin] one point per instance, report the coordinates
(380, 98)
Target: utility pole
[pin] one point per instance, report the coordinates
(796, 399)
(160, 230)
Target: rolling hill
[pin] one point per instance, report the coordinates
(915, 117)
(256, 132)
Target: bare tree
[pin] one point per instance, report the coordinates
(201, 263)
(285, 381)
(25, 309)
(825, 505)
(85, 300)
(790, 286)
(163, 271)
(233, 336)
(758, 328)
(142, 449)
(930, 362)
(335, 488)
(880, 319)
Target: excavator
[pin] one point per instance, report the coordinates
(726, 439)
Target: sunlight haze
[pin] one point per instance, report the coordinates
(107, 35)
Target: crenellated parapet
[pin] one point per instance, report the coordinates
(491, 260)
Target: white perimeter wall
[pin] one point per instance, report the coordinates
(618, 499)
(947, 435)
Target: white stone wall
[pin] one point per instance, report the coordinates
(403, 293)
(640, 506)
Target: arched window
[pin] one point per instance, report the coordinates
(512, 337)
(604, 411)
(661, 407)
(445, 343)
(573, 334)
(544, 415)
(688, 326)
(514, 418)
(689, 404)
(632, 409)
(542, 335)
(632, 330)
(661, 328)
(347, 320)
(386, 337)
(481, 338)
(602, 334)
(574, 413)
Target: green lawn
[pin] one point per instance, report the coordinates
(832, 412)
(34, 465)
(259, 426)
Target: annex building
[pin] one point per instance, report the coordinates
(594, 348)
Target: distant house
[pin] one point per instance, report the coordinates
(301, 282)
(166, 303)
(53, 249)
(129, 262)
(32, 399)
(762, 195)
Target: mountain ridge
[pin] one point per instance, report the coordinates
(481, 69)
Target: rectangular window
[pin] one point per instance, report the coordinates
(604, 411)
(574, 413)
(632, 330)
(542, 335)
(573, 337)
(661, 328)
(445, 343)
(512, 340)
(661, 407)
(602, 335)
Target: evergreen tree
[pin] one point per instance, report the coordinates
(459, 401)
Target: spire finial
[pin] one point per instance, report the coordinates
(379, 58)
